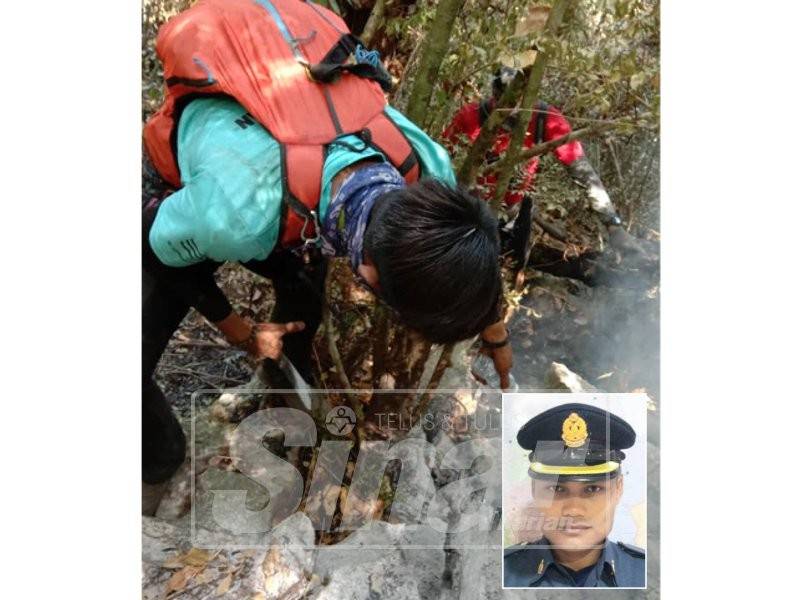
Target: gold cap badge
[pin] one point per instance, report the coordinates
(573, 431)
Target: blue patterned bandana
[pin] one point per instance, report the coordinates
(348, 214)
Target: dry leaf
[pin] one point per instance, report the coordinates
(173, 563)
(224, 585)
(179, 579)
(194, 557)
(206, 575)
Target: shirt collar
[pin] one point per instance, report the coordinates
(605, 567)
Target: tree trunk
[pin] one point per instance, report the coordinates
(380, 343)
(433, 52)
(472, 162)
(374, 22)
(509, 164)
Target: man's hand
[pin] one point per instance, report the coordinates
(260, 340)
(266, 340)
(503, 359)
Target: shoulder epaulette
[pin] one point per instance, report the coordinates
(632, 550)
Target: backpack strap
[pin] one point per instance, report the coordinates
(301, 167)
(332, 65)
(382, 134)
(484, 110)
(542, 109)
(367, 65)
(284, 29)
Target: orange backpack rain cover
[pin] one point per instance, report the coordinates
(259, 52)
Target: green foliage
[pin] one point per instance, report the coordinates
(608, 64)
(483, 30)
(154, 14)
(604, 66)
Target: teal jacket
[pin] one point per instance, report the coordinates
(230, 204)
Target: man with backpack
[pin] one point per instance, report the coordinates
(281, 148)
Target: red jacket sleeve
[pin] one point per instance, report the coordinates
(465, 123)
(556, 126)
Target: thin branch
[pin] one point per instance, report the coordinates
(618, 169)
(550, 229)
(645, 179)
(466, 77)
(327, 320)
(380, 342)
(374, 23)
(531, 94)
(629, 121)
(546, 147)
(477, 152)
(204, 377)
(319, 367)
(438, 373)
(199, 344)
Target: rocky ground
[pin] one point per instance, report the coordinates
(579, 323)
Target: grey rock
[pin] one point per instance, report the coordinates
(211, 440)
(559, 377)
(160, 540)
(287, 565)
(384, 579)
(281, 569)
(415, 486)
(391, 560)
(248, 527)
(474, 562)
(233, 405)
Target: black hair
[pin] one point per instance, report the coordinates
(436, 250)
(501, 78)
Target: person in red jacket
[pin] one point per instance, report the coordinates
(546, 124)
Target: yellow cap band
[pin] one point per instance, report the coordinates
(606, 467)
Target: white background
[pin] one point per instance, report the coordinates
(70, 251)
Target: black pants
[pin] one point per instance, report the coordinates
(299, 294)
(521, 241)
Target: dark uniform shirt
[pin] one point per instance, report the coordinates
(533, 565)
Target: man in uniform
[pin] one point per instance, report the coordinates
(577, 482)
